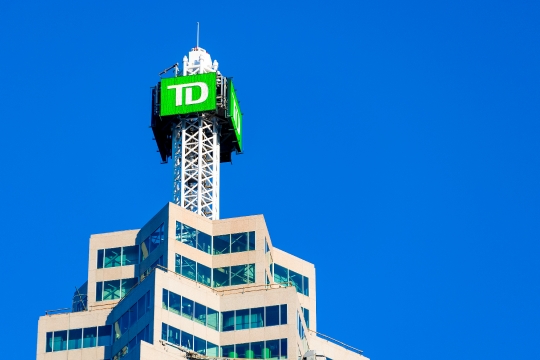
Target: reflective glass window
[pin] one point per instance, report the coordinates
(306, 286)
(164, 331)
(130, 255)
(257, 317)
(188, 235)
(250, 269)
(222, 244)
(212, 349)
(104, 335)
(257, 348)
(112, 257)
(271, 349)
(281, 274)
(177, 263)
(251, 242)
(242, 350)
(141, 307)
(174, 335)
(99, 291)
(117, 330)
(227, 319)
(89, 337)
(228, 351)
(111, 290)
(204, 274)
(220, 277)
(75, 339)
(148, 302)
(187, 308)
(124, 322)
(60, 340)
(296, 280)
(239, 242)
(266, 248)
(144, 249)
(212, 319)
(165, 299)
(283, 348)
(174, 303)
(187, 340)
(200, 313)
(49, 342)
(199, 346)
(306, 316)
(239, 275)
(100, 258)
(188, 268)
(178, 231)
(272, 315)
(133, 315)
(144, 335)
(156, 238)
(127, 285)
(242, 319)
(131, 344)
(283, 314)
(204, 242)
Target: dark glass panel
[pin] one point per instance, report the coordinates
(222, 244)
(239, 242)
(257, 317)
(89, 337)
(242, 319)
(272, 315)
(75, 339)
(227, 319)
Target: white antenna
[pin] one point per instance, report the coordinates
(197, 34)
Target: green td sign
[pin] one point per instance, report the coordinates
(235, 114)
(188, 94)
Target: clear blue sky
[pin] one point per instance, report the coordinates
(393, 144)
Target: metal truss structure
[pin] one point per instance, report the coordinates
(196, 164)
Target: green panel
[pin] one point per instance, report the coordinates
(235, 114)
(188, 94)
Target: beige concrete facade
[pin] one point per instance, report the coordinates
(257, 294)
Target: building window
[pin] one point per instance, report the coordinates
(216, 245)
(288, 277)
(152, 242)
(77, 338)
(114, 289)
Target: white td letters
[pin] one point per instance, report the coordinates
(189, 93)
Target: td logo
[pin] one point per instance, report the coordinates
(188, 94)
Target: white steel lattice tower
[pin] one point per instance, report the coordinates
(196, 151)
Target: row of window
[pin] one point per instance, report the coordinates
(188, 341)
(78, 338)
(229, 320)
(254, 318)
(118, 256)
(216, 277)
(114, 289)
(215, 245)
(130, 317)
(269, 349)
(143, 335)
(152, 242)
(190, 309)
(284, 275)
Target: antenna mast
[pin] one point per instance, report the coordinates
(197, 34)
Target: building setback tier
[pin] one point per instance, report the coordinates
(185, 286)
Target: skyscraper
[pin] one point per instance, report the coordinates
(188, 284)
